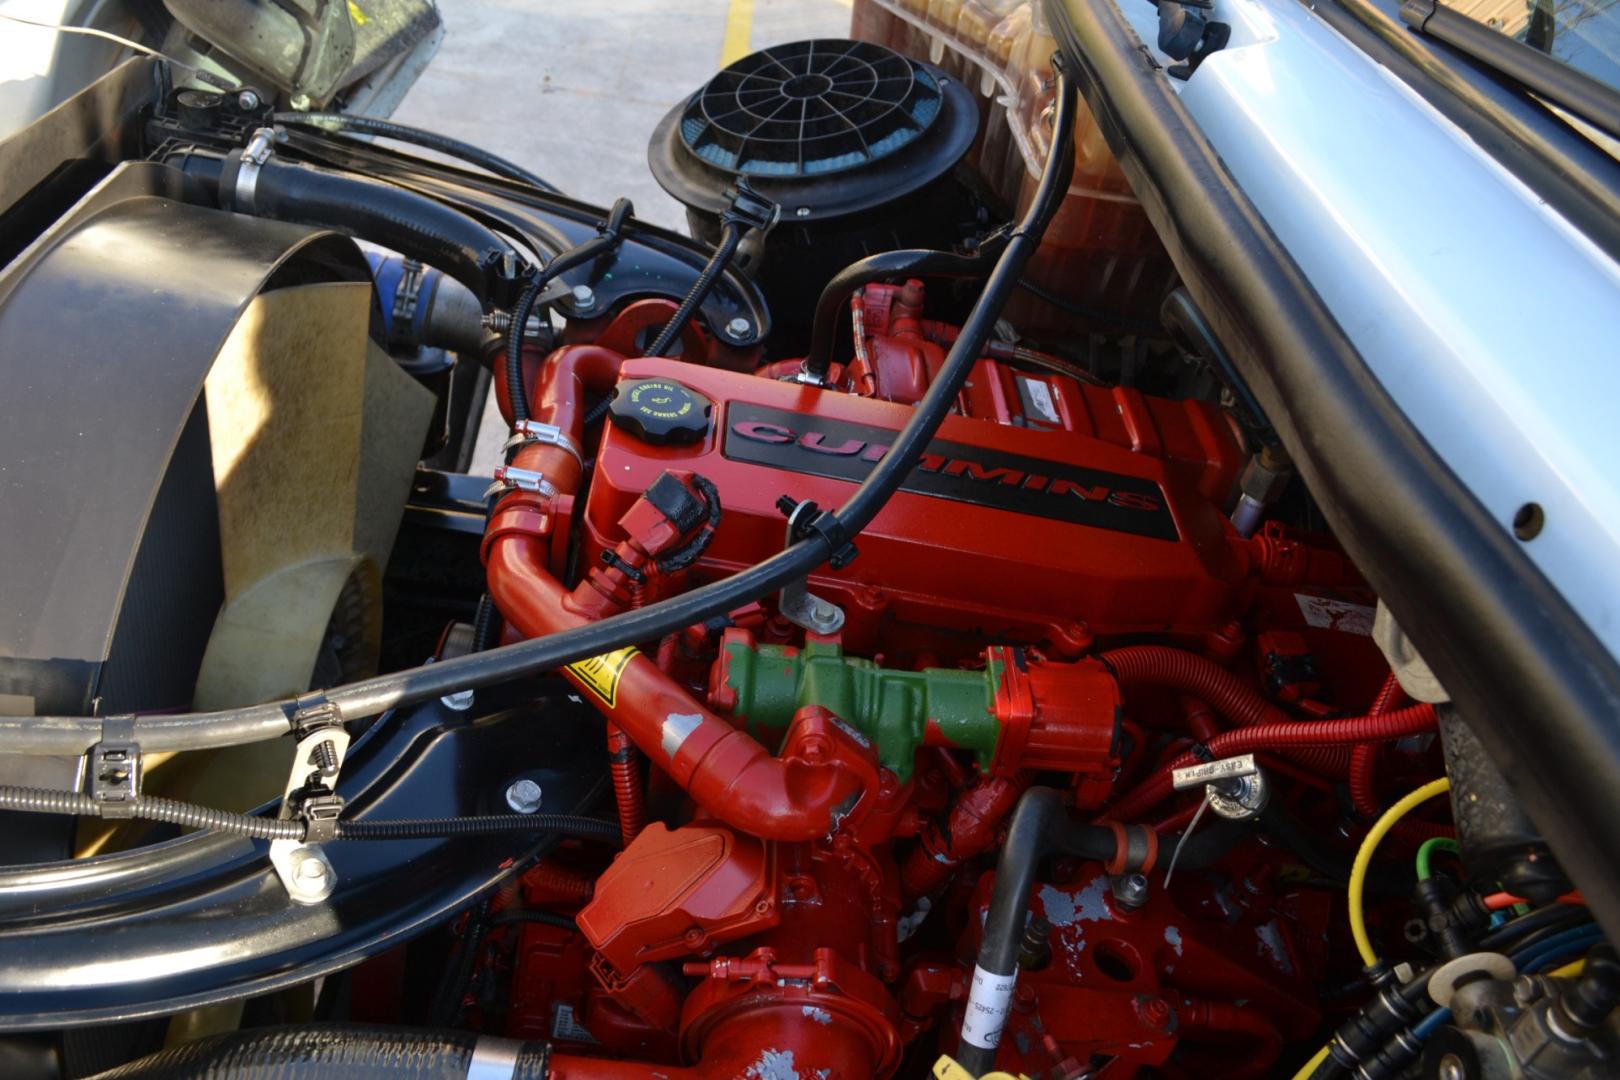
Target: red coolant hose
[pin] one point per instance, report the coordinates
(1261, 725)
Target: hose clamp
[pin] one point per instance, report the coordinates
(509, 479)
(525, 432)
(114, 768)
(259, 148)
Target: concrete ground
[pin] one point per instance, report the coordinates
(573, 91)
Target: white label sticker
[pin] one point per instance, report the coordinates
(564, 1026)
(988, 1002)
(1327, 614)
(1039, 396)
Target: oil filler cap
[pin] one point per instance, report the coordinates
(661, 411)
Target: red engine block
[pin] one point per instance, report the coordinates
(1050, 513)
(995, 538)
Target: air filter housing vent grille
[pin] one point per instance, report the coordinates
(810, 108)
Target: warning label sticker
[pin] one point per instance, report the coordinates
(1330, 614)
(600, 674)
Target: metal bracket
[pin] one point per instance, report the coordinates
(115, 768)
(532, 431)
(302, 866)
(796, 603)
(510, 479)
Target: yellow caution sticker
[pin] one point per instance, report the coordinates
(601, 674)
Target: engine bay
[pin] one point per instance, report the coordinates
(884, 650)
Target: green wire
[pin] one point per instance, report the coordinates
(1425, 853)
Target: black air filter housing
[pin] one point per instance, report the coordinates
(854, 141)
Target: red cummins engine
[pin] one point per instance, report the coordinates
(1054, 607)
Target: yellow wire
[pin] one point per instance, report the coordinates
(1364, 854)
(1569, 970)
(1309, 1067)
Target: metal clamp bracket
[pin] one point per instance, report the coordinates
(310, 793)
(509, 479)
(525, 432)
(796, 603)
(114, 774)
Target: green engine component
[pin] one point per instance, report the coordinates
(892, 708)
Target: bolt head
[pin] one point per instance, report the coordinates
(1452, 1068)
(312, 869)
(523, 796)
(584, 297)
(247, 100)
(299, 102)
(739, 327)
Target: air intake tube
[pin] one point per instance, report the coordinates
(414, 225)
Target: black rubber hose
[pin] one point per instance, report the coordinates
(513, 916)
(368, 697)
(187, 815)
(911, 262)
(1040, 827)
(1187, 324)
(730, 236)
(583, 828)
(1383, 879)
(610, 236)
(432, 140)
(466, 944)
(328, 1052)
(413, 225)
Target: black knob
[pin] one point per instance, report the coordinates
(661, 411)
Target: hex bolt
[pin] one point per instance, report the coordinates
(311, 869)
(1130, 890)
(739, 328)
(523, 796)
(1451, 1068)
(584, 297)
(247, 100)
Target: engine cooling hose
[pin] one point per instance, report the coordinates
(432, 140)
(917, 262)
(368, 697)
(339, 1052)
(413, 225)
(1039, 827)
(730, 237)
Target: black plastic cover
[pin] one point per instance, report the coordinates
(661, 412)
